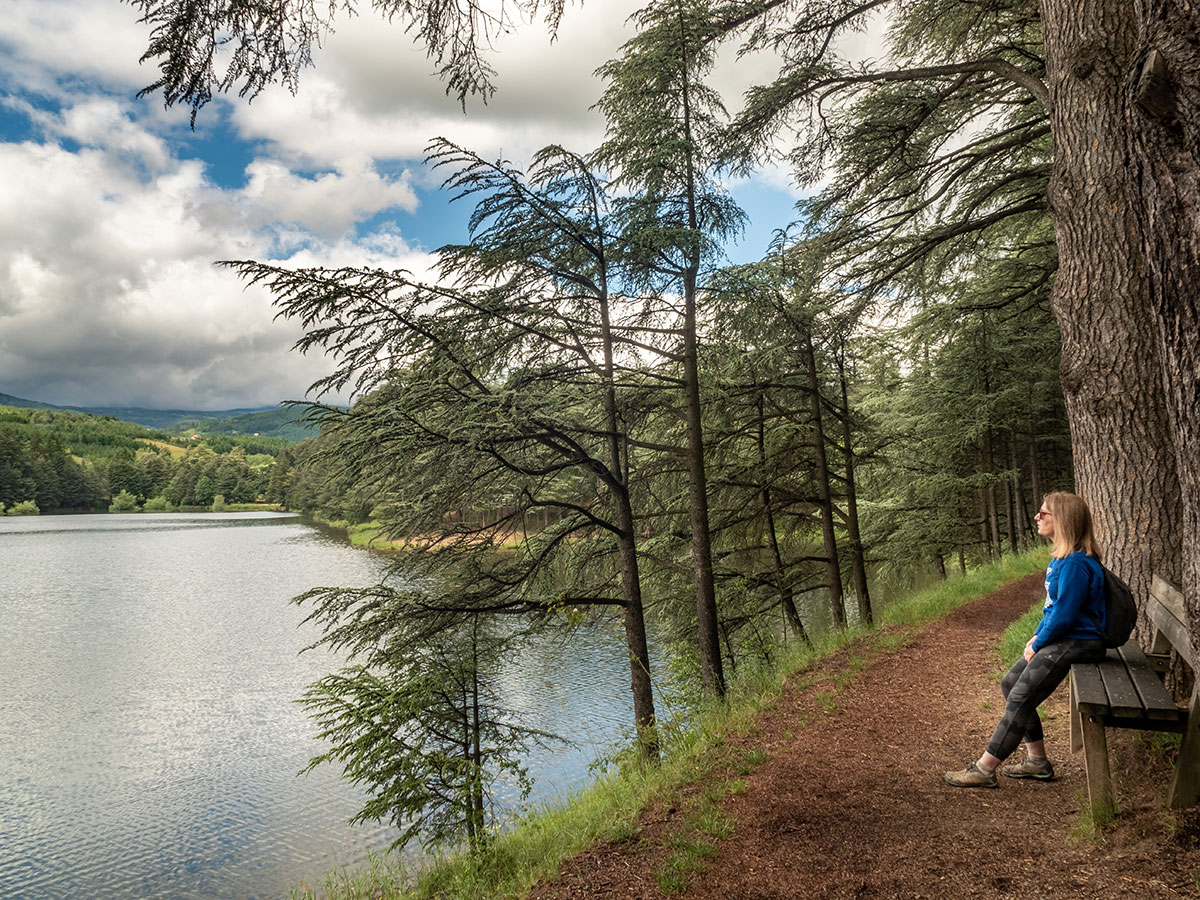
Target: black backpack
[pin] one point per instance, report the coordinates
(1120, 612)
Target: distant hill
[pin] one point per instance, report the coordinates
(264, 421)
(276, 422)
(10, 400)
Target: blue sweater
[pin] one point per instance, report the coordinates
(1074, 605)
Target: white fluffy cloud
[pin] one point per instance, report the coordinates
(108, 288)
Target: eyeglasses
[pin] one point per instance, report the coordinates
(1040, 513)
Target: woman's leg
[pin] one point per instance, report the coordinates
(1028, 686)
(1033, 729)
(1040, 677)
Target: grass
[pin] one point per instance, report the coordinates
(936, 601)
(175, 451)
(1012, 643)
(608, 809)
(369, 536)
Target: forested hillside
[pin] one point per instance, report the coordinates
(73, 461)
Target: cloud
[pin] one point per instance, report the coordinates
(328, 204)
(108, 291)
(52, 46)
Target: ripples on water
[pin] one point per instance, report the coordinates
(151, 742)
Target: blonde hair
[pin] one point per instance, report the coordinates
(1073, 529)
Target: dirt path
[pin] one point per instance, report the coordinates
(839, 795)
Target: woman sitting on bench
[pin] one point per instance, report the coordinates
(1070, 631)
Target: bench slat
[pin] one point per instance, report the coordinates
(1089, 687)
(1153, 696)
(1165, 610)
(1123, 699)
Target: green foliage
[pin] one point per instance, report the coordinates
(1012, 644)
(203, 491)
(416, 720)
(259, 432)
(156, 504)
(24, 508)
(123, 502)
(218, 503)
(264, 50)
(98, 438)
(66, 460)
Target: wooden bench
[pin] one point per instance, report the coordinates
(1125, 691)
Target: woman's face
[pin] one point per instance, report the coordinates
(1045, 523)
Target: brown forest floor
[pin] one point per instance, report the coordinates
(838, 793)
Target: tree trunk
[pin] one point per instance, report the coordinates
(1018, 489)
(1164, 144)
(996, 549)
(477, 811)
(1111, 372)
(631, 584)
(1035, 475)
(712, 675)
(786, 595)
(858, 561)
(988, 548)
(1010, 510)
(939, 563)
(832, 567)
(711, 672)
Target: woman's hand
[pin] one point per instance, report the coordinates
(1029, 649)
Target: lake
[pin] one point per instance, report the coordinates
(151, 741)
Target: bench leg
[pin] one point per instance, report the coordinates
(1076, 725)
(1185, 783)
(1095, 760)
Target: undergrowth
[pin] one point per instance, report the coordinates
(607, 810)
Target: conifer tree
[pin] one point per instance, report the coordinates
(664, 134)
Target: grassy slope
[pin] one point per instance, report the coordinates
(608, 809)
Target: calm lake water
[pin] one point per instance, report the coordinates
(150, 742)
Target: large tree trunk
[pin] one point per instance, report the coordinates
(712, 673)
(1164, 144)
(635, 632)
(1018, 495)
(1111, 376)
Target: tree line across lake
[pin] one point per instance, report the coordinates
(53, 461)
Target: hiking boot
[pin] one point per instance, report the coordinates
(972, 776)
(1030, 767)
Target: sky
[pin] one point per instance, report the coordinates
(113, 211)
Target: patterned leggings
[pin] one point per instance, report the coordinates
(1027, 685)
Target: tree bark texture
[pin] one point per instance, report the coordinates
(786, 594)
(1124, 456)
(635, 632)
(711, 672)
(1163, 117)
